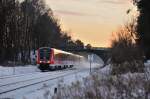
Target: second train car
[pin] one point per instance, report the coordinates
(53, 59)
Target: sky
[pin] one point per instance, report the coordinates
(91, 21)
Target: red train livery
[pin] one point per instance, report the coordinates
(53, 59)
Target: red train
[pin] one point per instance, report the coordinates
(53, 59)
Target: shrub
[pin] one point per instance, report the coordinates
(129, 86)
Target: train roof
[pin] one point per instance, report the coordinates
(61, 51)
(44, 47)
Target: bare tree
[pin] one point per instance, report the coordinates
(125, 54)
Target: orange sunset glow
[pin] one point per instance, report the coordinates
(91, 21)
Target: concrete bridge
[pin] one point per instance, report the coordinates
(103, 53)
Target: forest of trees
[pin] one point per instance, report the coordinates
(26, 26)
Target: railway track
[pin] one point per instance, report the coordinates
(19, 75)
(30, 79)
(12, 79)
(6, 88)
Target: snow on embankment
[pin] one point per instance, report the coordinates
(95, 61)
(6, 71)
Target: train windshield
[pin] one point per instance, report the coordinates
(45, 53)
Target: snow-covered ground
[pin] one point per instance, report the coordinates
(47, 90)
(6, 71)
(38, 90)
(21, 76)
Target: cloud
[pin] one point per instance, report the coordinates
(104, 1)
(72, 13)
(115, 1)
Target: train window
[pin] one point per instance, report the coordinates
(45, 53)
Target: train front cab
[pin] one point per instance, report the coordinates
(44, 58)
